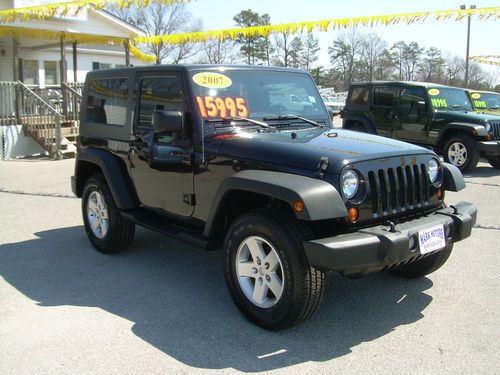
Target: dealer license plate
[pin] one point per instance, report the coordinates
(431, 239)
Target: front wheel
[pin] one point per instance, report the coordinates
(461, 151)
(267, 272)
(495, 162)
(106, 229)
(424, 266)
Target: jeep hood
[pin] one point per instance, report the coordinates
(303, 149)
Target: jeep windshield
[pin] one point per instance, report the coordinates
(449, 99)
(271, 96)
(482, 101)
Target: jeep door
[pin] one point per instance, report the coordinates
(160, 161)
(383, 109)
(412, 115)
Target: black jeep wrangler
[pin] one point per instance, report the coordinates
(431, 115)
(222, 157)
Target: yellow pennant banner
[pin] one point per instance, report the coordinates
(323, 25)
(141, 55)
(72, 8)
(487, 59)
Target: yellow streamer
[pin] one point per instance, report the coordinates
(72, 8)
(141, 55)
(486, 59)
(323, 25)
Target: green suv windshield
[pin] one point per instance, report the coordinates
(256, 94)
(449, 99)
(485, 101)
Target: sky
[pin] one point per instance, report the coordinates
(449, 35)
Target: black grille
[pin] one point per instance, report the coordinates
(495, 129)
(399, 189)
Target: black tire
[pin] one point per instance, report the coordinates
(303, 285)
(495, 162)
(119, 233)
(425, 265)
(471, 152)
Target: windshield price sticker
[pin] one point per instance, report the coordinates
(433, 92)
(480, 104)
(476, 95)
(431, 239)
(436, 102)
(222, 107)
(212, 80)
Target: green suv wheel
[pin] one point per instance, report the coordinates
(495, 162)
(461, 151)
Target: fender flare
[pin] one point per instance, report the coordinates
(321, 199)
(453, 180)
(114, 172)
(370, 128)
(474, 130)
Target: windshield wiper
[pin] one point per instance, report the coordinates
(239, 118)
(290, 116)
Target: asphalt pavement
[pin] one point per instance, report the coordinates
(162, 306)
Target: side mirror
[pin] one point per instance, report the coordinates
(168, 121)
(420, 105)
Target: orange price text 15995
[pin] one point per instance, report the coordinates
(222, 107)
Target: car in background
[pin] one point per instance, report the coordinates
(484, 101)
(333, 105)
(435, 116)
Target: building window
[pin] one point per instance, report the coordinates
(50, 68)
(107, 101)
(30, 72)
(100, 66)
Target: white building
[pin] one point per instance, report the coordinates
(37, 58)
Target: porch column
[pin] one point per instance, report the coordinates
(127, 53)
(75, 70)
(16, 66)
(64, 78)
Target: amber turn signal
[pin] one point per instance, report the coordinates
(298, 206)
(440, 194)
(352, 214)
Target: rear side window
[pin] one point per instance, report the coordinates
(383, 96)
(159, 94)
(107, 101)
(359, 96)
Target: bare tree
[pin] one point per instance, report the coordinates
(282, 48)
(372, 55)
(160, 19)
(432, 66)
(220, 52)
(455, 70)
(345, 54)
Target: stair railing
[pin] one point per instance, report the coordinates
(40, 120)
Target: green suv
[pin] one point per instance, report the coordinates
(436, 116)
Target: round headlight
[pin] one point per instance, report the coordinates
(487, 125)
(433, 170)
(350, 184)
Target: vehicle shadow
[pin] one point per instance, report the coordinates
(176, 297)
(482, 171)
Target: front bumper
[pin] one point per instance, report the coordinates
(376, 248)
(489, 148)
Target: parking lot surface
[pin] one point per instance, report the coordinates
(162, 306)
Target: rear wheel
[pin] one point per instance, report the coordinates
(495, 162)
(461, 151)
(424, 266)
(358, 127)
(267, 272)
(106, 229)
